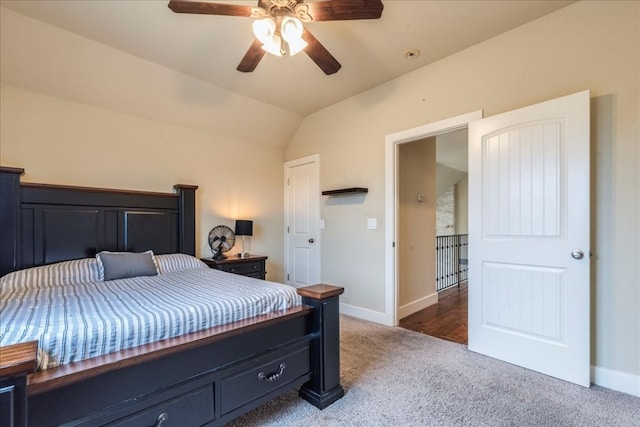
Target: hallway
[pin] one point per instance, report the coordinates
(447, 319)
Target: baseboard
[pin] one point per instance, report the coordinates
(417, 305)
(616, 380)
(364, 313)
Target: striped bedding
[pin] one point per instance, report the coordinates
(75, 320)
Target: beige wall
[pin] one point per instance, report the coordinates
(591, 45)
(63, 142)
(45, 59)
(416, 223)
(462, 206)
(74, 111)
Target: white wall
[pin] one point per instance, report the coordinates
(589, 45)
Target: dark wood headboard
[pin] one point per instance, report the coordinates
(41, 224)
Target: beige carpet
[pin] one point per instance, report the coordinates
(396, 377)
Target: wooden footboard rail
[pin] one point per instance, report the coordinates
(205, 378)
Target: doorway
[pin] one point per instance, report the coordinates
(392, 145)
(432, 237)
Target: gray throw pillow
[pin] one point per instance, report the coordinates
(121, 265)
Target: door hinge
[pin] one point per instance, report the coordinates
(288, 181)
(393, 245)
(287, 277)
(288, 229)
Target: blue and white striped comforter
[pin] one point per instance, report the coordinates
(78, 321)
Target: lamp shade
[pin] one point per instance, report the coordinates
(291, 30)
(244, 227)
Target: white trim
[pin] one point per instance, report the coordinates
(616, 380)
(392, 141)
(314, 158)
(417, 305)
(363, 313)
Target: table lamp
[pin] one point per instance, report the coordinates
(244, 228)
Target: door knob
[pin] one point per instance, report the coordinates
(577, 254)
(311, 240)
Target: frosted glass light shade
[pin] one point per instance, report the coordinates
(291, 30)
(274, 47)
(267, 32)
(264, 30)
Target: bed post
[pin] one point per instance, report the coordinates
(324, 387)
(9, 218)
(186, 218)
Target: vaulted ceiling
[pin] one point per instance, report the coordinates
(209, 47)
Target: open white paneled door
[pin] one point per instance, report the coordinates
(529, 237)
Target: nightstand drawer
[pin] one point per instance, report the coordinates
(251, 265)
(274, 373)
(243, 268)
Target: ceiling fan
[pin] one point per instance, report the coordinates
(278, 27)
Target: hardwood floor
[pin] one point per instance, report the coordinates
(447, 319)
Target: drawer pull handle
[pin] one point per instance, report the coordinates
(273, 376)
(162, 418)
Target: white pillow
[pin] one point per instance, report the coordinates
(177, 262)
(61, 273)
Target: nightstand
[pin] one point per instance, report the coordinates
(250, 266)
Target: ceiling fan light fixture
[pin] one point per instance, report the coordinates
(296, 46)
(291, 30)
(274, 46)
(272, 37)
(264, 30)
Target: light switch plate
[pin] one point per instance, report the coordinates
(322, 224)
(372, 223)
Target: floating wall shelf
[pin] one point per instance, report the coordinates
(345, 191)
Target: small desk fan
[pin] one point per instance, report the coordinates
(221, 239)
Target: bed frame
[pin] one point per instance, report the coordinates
(204, 378)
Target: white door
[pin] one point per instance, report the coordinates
(302, 221)
(529, 237)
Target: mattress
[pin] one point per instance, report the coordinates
(76, 321)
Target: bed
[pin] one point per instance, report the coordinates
(206, 376)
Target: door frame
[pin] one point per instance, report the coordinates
(314, 158)
(392, 144)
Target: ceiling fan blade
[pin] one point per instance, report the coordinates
(319, 54)
(252, 58)
(340, 10)
(206, 8)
